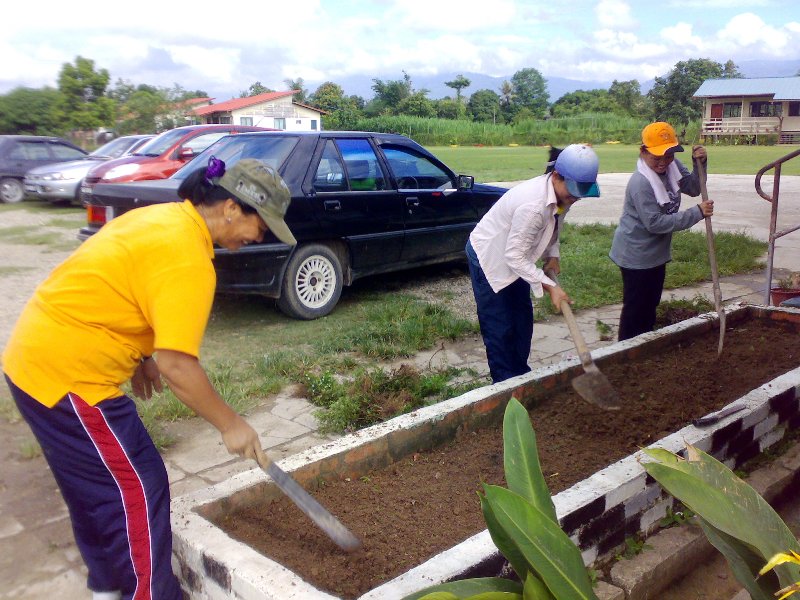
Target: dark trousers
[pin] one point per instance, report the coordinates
(115, 485)
(506, 321)
(641, 293)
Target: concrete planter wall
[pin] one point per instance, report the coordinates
(598, 512)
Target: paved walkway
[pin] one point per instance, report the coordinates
(40, 558)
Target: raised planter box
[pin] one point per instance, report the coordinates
(598, 512)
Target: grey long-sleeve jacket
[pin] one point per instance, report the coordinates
(643, 238)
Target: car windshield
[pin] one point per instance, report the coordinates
(114, 148)
(161, 143)
(271, 150)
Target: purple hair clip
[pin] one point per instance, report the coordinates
(215, 169)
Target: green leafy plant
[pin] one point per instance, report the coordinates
(633, 547)
(675, 518)
(523, 525)
(733, 516)
(604, 329)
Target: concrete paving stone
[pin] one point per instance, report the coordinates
(226, 471)
(606, 591)
(551, 346)
(300, 444)
(556, 328)
(288, 407)
(307, 419)
(187, 485)
(67, 585)
(9, 526)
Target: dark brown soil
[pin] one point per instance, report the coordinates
(422, 505)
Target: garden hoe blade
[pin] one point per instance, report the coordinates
(334, 529)
(712, 259)
(592, 386)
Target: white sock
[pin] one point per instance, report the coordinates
(106, 595)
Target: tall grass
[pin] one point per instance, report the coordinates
(589, 128)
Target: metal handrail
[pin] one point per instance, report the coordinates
(773, 219)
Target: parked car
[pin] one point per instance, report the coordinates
(60, 182)
(362, 204)
(21, 153)
(163, 155)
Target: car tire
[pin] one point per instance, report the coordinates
(11, 190)
(312, 283)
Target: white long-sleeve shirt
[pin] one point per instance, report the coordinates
(517, 231)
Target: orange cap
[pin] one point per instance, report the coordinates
(659, 137)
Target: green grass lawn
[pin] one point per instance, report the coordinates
(504, 163)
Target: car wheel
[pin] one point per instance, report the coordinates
(11, 190)
(312, 283)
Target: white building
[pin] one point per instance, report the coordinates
(273, 110)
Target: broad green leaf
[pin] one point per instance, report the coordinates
(440, 596)
(744, 562)
(728, 504)
(546, 548)
(535, 589)
(471, 587)
(521, 459)
(504, 542)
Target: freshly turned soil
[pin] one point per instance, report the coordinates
(428, 502)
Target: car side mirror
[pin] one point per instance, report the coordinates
(465, 182)
(185, 153)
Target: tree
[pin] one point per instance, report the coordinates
(254, 90)
(343, 111)
(581, 101)
(83, 101)
(31, 111)
(529, 91)
(484, 105)
(297, 85)
(629, 96)
(417, 105)
(389, 94)
(672, 95)
(731, 71)
(448, 108)
(459, 83)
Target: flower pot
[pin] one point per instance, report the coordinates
(778, 295)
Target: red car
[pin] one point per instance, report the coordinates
(161, 156)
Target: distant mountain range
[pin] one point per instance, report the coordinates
(361, 85)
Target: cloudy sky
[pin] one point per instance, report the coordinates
(223, 48)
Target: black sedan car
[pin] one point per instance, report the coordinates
(362, 203)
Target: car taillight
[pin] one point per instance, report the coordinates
(98, 215)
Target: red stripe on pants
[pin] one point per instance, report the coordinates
(130, 487)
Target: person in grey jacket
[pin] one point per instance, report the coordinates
(643, 239)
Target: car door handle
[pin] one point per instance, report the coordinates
(332, 205)
(412, 201)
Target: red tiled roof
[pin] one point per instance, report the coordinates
(238, 103)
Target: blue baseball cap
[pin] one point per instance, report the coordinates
(578, 165)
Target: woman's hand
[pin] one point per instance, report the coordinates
(707, 207)
(557, 296)
(146, 378)
(699, 153)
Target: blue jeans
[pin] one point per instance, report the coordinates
(506, 321)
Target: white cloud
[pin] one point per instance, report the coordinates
(452, 16)
(681, 35)
(625, 46)
(748, 30)
(615, 14)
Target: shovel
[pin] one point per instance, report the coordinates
(334, 529)
(712, 259)
(592, 386)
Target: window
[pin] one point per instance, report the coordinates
(765, 109)
(280, 123)
(199, 143)
(313, 124)
(363, 171)
(330, 172)
(794, 109)
(415, 172)
(246, 121)
(732, 109)
(64, 152)
(29, 151)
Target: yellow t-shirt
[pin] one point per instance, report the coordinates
(144, 281)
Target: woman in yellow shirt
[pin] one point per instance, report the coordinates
(132, 303)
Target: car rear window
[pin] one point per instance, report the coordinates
(270, 150)
(161, 143)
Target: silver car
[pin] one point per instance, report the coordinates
(60, 182)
